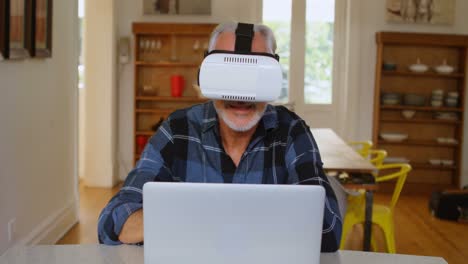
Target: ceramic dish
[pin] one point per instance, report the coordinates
(435, 162)
(418, 67)
(408, 114)
(447, 162)
(393, 137)
(389, 66)
(396, 160)
(444, 68)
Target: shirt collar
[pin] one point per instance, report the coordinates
(210, 117)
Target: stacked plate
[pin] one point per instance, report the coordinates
(446, 116)
(391, 98)
(437, 98)
(452, 99)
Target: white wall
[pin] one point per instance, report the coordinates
(38, 122)
(132, 11)
(100, 141)
(368, 17)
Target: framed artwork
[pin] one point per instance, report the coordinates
(421, 11)
(41, 44)
(177, 7)
(18, 28)
(3, 30)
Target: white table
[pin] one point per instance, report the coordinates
(100, 254)
(337, 155)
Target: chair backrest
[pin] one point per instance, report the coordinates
(400, 175)
(362, 147)
(377, 157)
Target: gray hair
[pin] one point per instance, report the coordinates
(266, 32)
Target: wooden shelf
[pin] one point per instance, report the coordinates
(428, 166)
(423, 143)
(154, 111)
(171, 99)
(424, 74)
(420, 121)
(166, 64)
(144, 133)
(421, 108)
(155, 70)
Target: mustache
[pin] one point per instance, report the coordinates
(230, 104)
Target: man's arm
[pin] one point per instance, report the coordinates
(132, 230)
(121, 221)
(305, 167)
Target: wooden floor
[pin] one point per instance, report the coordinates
(417, 232)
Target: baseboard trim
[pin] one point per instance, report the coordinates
(54, 227)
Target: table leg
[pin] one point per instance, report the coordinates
(368, 222)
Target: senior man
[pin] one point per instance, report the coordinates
(224, 142)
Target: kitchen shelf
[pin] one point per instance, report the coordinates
(172, 99)
(166, 64)
(420, 121)
(423, 75)
(421, 108)
(428, 166)
(180, 51)
(404, 49)
(145, 133)
(423, 143)
(154, 111)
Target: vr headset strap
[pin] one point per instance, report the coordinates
(244, 36)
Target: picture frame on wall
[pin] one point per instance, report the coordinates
(431, 12)
(3, 30)
(177, 7)
(41, 46)
(17, 16)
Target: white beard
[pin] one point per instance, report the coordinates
(241, 128)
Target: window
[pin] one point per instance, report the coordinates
(318, 53)
(277, 15)
(80, 59)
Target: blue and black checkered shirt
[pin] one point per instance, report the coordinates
(188, 148)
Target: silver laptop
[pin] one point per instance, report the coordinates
(191, 223)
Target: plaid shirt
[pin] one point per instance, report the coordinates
(187, 148)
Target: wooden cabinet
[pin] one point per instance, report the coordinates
(435, 133)
(167, 58)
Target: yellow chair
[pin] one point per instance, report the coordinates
(377, 157)
(362, 147)
(382, 215)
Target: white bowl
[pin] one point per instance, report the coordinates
(447, 162)
(444, 69)
(393, 137)
(442, 140)
(451, 141)
(408, 114)
(435, 162)
(418, 67)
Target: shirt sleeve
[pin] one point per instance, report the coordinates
(305, 167)
(152, 166)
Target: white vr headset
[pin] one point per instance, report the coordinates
(241, 75)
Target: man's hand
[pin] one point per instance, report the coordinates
(132, 230)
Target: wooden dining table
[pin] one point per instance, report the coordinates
(340, 157)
